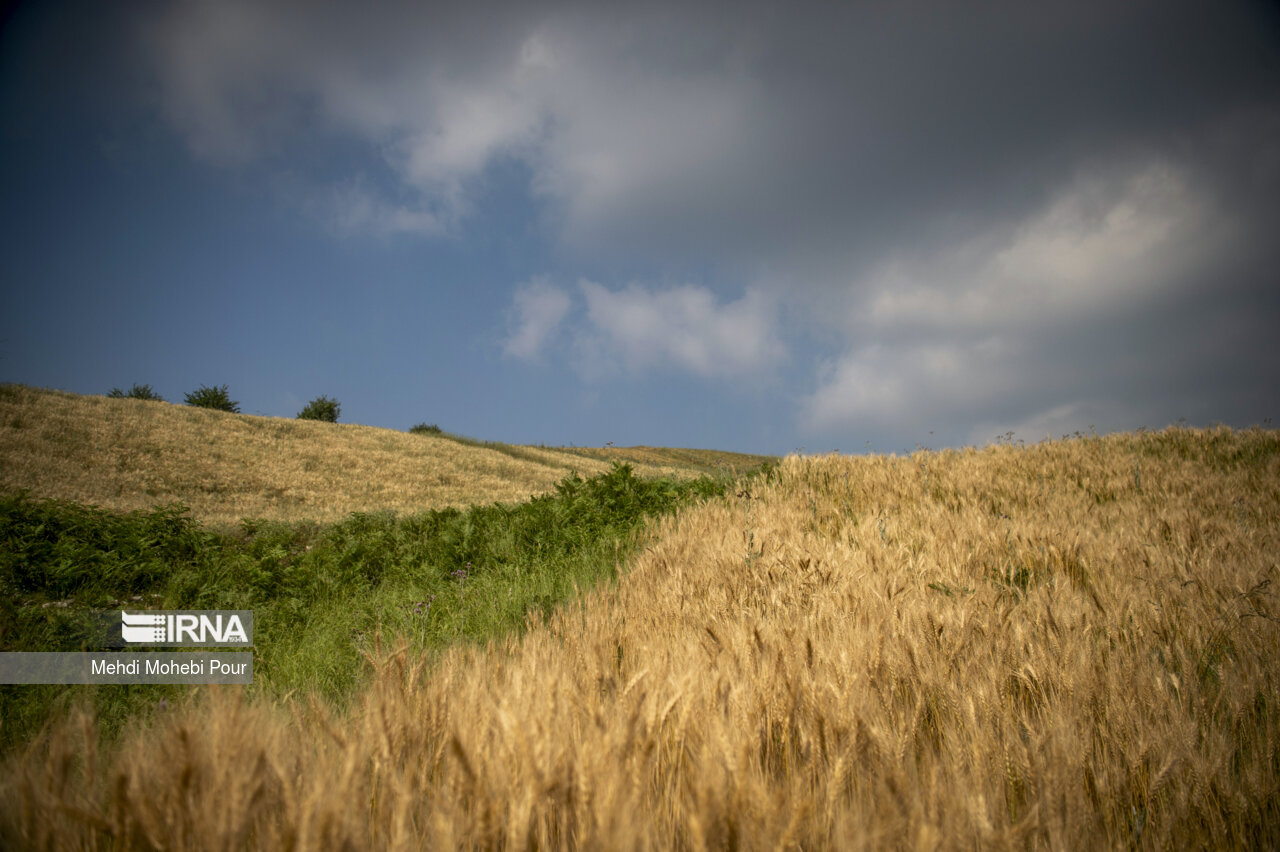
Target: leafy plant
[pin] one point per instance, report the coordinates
(215, 398)
(426, 429)
(136, 392)
(440, 576)
(321, 408)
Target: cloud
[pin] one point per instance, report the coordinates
(684, 328)
(894, 386)
(421, 91)
(1105, 241)
(1011, 327)
(1006, 213)
(537, 310)
(741, 131)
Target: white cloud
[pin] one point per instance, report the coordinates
(639, 329)
(473, 120)
(1104, 242)
(893, 385)
(537, 310)
(949, 336)
(682, 327)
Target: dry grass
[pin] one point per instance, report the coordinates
(129, 454)
(1069, 646)
(676, 459)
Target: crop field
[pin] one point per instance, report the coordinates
(1071, 645)
(128, 454)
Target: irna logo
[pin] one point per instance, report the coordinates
(211, 627)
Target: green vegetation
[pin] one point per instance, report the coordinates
(322, 595)
(216, 398)
(321, 408)
(425, 429)
(136, 392)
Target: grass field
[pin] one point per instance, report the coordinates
(323, 591)
(128, 454)
(1071, 645)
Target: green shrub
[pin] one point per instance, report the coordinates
(321, 594)
(215, 398)
(136, 392)
(321, 408)
(426, 429)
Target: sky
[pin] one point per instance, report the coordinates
(761, 227)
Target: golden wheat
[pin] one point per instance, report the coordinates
(1066, 646)
(127, 454)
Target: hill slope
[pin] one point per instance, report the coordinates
(1067, 646)
(129, 454)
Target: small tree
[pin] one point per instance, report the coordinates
(425, 429)
(215, 398)
(136, 392)
(321, 408)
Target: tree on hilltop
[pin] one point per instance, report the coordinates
(136, 392)
(215, 398)
(321, 408)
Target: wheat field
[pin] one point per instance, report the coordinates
(1072, 645)
(130, 454)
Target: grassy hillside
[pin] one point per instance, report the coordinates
(710, 462)
(127, 454)
(1070, 646)
(322, 595)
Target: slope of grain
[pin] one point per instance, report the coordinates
(129, 454)
(1068, 646)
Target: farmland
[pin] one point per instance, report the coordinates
(1065, 645)
(128, 454)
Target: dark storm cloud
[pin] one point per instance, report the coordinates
(839, 130)
(1007, 214)
(752, 122)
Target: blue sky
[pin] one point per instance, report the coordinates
(750, 227)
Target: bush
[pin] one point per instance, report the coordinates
(215, 398)
(321, 408)
(436, 577)
(426, 429)
(136, 392)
